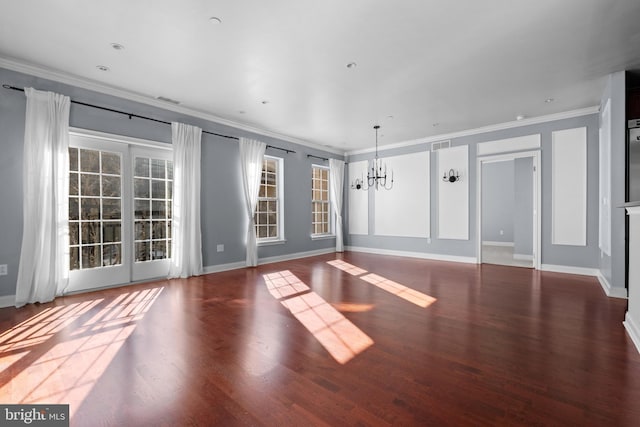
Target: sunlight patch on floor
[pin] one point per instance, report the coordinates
(341, 338)
(67, 354)
(411, 295)
(346, 267)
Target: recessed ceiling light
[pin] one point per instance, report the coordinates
(265, 102)
(242, 112)
(519, 117)
(117, 46)
(548, 100)
(435, 124)
(102, 67)
(215, 20)
(389, 117)
(352, 65)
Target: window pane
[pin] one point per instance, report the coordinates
(90, 185)
(262, 232)
(111, 232)
(142, 230)
(74, 259)
(157, 189)
(74, 233)
(142, 251)
(157, 168)
(141, 188)
(91, 256)
(142, 209)
(74, 212)
(111, 209)
(90, 232)
(73, 184)
(169, 169)
(111, 163)
(170, 190)
(142, 167)
(111, 186)
(111, 255)
(159, 209)
(90, 208)
(273, 231)
(73, 159)
(169, 231)
(159, 230)
(159, 250)
(89, 161)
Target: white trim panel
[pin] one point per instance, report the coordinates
(528, 142)
(569, 187)
(358, 200)
(404, 211)
(453, 198)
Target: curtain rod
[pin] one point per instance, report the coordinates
(317, 157)
(131, 115)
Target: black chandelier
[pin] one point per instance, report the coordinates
(376, 175)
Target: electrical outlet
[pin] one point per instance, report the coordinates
(3, 270)
(220, 248)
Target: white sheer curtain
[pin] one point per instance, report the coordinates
(44, 258)
(251, 156)
(186, 253)
(336, 182)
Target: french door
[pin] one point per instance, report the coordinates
(120, 198)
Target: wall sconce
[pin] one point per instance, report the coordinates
(452, 177)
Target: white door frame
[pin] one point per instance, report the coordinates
(537, 186)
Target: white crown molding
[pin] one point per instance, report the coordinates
(69, 79)
(477, 131)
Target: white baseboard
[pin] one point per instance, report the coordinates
(7, 301)
(269, 260)
(632, 329)
(491, 243)
(523, 257)
(609, 290)
(583, 271)
(422, 255)
(223, 267)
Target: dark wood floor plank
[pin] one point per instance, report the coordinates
(498, 346)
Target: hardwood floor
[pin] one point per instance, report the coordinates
(370, 340)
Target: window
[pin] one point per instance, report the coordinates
(268, 216)
(320, 206)
(95, 208)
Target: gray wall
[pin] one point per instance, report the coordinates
(222, 211)
(523, 209)
(498, 202)
(576, 256)
(613, 267)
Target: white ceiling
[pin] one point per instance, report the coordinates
(460, 64)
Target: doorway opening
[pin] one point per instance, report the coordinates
(508, 204)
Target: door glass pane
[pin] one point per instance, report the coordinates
(152, 200)
(95, 209)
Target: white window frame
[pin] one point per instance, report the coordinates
(331, 232)
(279, 238)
